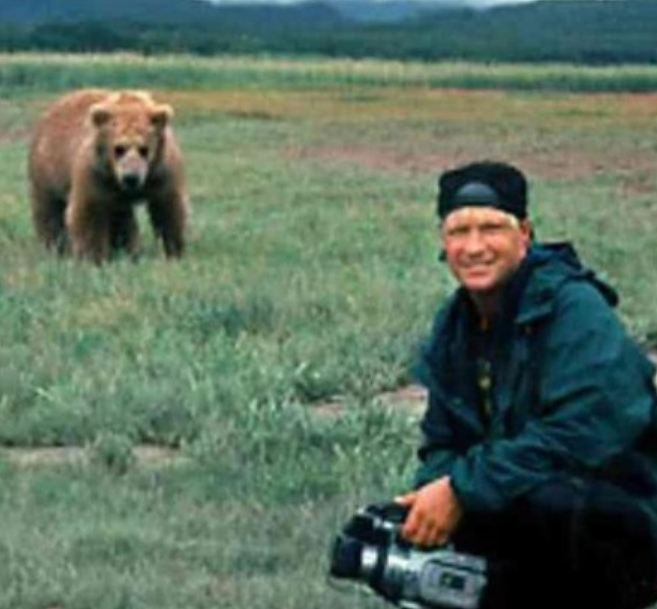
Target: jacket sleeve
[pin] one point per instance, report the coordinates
(438, 447)
(596, 398)
(437, 451)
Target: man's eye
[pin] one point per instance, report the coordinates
(458, 231)
(119, 151)
(492, 228)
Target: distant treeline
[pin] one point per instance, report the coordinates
(578, 31)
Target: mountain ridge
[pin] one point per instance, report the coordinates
(577, 31)
(37, 12)
(171, 12)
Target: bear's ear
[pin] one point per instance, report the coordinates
(100, 115)
(161, 115)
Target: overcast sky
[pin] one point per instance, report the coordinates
(472, 2)
(492, 2)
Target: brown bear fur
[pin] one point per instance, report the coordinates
(94, 155)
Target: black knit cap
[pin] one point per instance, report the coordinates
(483, 184)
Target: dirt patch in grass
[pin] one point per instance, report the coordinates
(411, 399)
(146, 456)
(554, 165)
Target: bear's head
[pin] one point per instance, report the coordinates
(130, 130)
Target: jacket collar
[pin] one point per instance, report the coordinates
(548, 267)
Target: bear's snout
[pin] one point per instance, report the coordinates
(131, 171)
(131, 181)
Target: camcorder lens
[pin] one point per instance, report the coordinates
(346, 557)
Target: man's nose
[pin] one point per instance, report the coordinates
(474, 241)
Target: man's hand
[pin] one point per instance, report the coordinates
(434, 514)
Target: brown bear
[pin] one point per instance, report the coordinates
(94, 155)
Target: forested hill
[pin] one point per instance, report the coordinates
(583, 31)
(183, 13)
(40, 11)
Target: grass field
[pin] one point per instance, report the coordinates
(310, 278)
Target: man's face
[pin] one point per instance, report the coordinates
(484, 246)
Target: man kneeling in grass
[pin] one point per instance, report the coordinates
(540, 436)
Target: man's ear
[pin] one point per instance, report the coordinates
(527, 230)
(442, 254)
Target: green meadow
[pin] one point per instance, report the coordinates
(263, 362)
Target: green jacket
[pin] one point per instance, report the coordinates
(572, 395)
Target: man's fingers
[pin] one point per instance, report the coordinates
(411, 525)
(418, 528)
(430, 533)
(423, 531)
(406, 499)
(424, 534)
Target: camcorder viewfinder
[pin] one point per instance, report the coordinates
(369, 549)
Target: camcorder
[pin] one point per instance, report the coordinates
(369, 549)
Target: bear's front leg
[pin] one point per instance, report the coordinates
(168, 211)
(48, 219)
(88, 226)
(124, 232)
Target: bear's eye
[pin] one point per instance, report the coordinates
(143, 151)
(120, 150)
